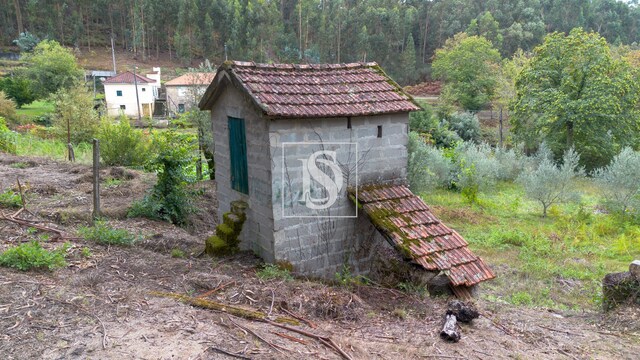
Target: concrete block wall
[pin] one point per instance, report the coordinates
(257, 232)
(322, 246)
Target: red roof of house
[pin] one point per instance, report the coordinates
(409, 225)
(322, 90)
(192, 79)
(127, 78)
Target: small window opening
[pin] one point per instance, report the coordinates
(123, 107)
(118, 92)
(379, 131)
(349, 123)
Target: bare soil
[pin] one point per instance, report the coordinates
(103, 306)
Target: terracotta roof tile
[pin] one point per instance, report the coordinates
(127, 78)
(408, 223)
(201, 78)
(323, 90)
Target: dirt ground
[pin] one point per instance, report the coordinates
(104, 306)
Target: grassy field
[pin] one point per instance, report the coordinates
(29, 145)
(555, 262)
(35, 109)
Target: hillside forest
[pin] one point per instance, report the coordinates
(400, 35)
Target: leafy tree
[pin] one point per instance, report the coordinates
(427, 167)
(19, 89)
(466, 125)
(620, 181)
(122, 145)
(26, 41)
(51, 67)
(551, 184)
(506, 90)
(467, 64)
(486, 26)
(74, 115)
(573, 93)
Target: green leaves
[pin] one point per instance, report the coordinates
(468, 65)
(574, 93)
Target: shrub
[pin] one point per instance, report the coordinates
(476, 169)
(169, 200)
(620, 181)
(273, 271)
(550, 184)
(10, 199)
(101, 233)
(434, 131)
(8, 109)
(427, 167)
(122, 145)
(7, 138)
(466, 125)
(510, 164)
(31, 255)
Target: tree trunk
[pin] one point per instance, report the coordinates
(16, 3)
(501, 138)
(569, 134)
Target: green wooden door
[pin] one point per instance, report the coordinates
(238, 155)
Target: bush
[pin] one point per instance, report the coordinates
(101, 233)
(169, 200)
(18, 89)
(476, 169)
(273, 271)
(8, 108)
(122, 145)
(31, 255)
(466, 125)
(620, 181)
(427, 167)
(510, 164)
(10, 199)
(435, 132)
(7, 138)
(550, 184)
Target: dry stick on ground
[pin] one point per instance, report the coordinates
(220, 287)
(323, 339)
(23, 222)
(309, 323)
(290, 337)
(218, 350)
(276, 347)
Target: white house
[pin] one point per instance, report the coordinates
(120, 93)
(185, 91)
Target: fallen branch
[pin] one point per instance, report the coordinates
(233, 310)
(216, 289)
(293, 315)
(323, 339)
(276, 347)
(32, 224)
(288, 337)
(221, 351)
(450, 329)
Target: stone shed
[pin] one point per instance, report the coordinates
(319, 154)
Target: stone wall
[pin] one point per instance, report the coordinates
(321, 246)
(257, 233)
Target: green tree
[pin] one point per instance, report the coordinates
(486, 26)
(573, 93)
(18, 89)
(468, 66)
(74, 114)
(51, 67)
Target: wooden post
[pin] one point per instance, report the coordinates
(96, 179)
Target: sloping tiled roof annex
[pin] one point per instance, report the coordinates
(191, 79)
(318, 90)
(410, 226)
(127, 78)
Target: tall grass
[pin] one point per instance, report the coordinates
(556, 262)
(29, 145)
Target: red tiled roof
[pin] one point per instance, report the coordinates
(127, 78)
(322, 90)
(192, 79)
(409, 225)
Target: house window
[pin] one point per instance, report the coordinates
(379, 131)
(238, 155)
(144, 89)
(118, 92)
(181, 108)
(123, 107)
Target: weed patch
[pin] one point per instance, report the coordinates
(32, 256)
(273, 271)
(103, 234)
